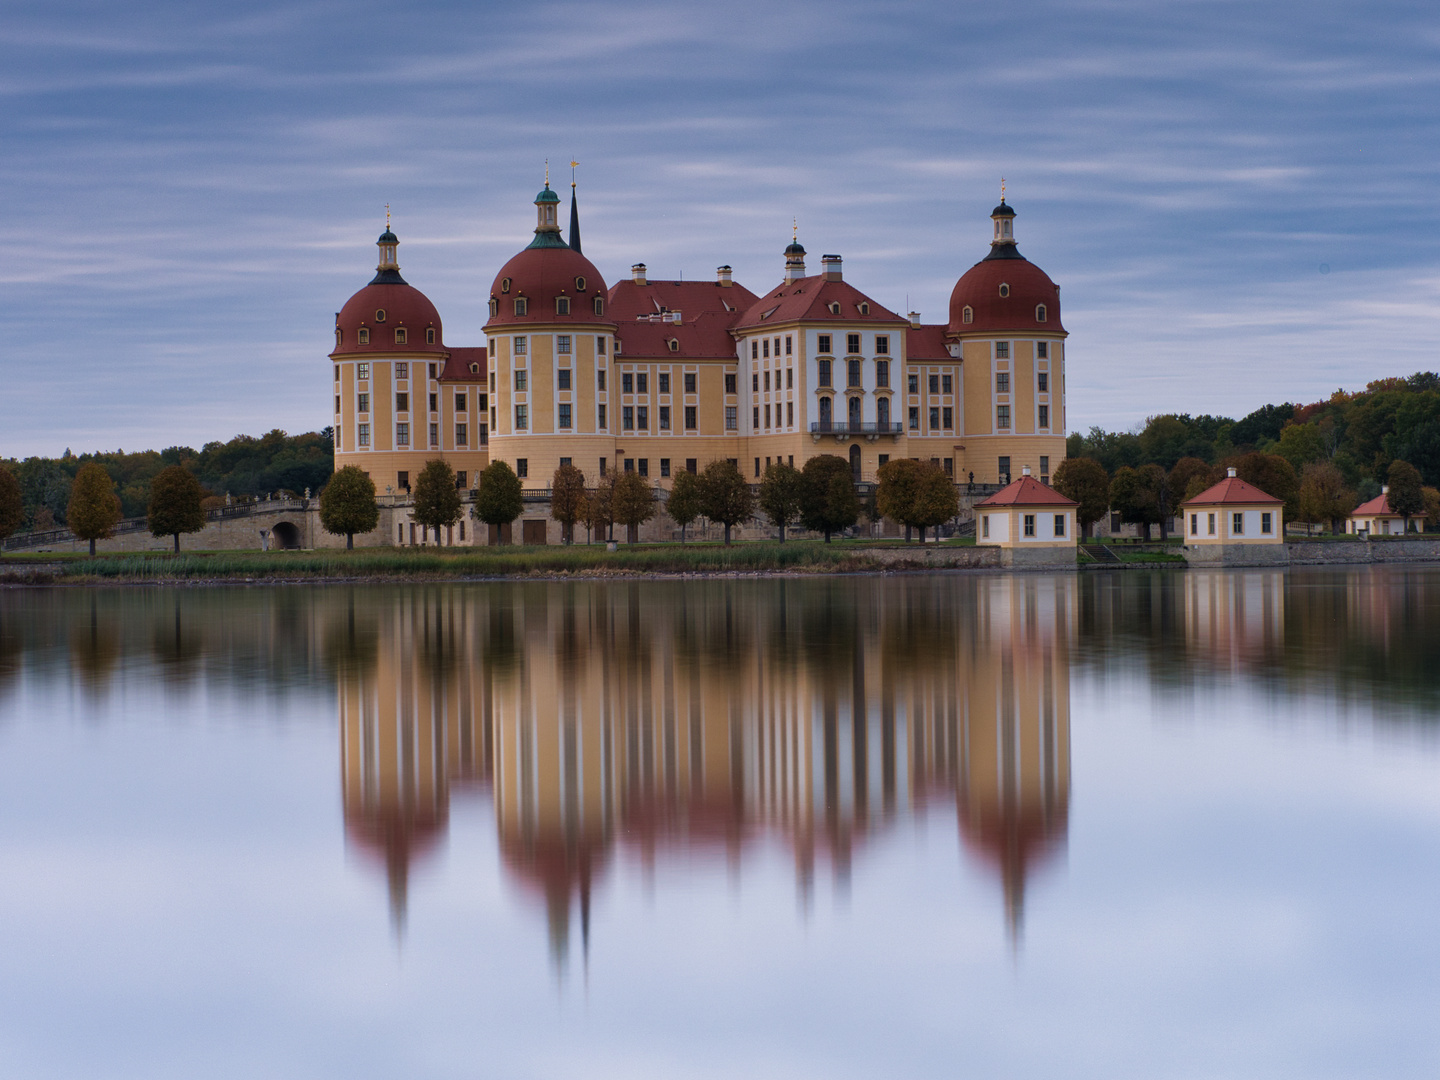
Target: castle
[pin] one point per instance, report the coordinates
(658, 376)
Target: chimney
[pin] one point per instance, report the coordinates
(915, 319)
(1230, 472)
(831, 264)
(1024, 470)
(637, 273)
(722, 277)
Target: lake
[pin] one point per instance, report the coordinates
(1139, 823)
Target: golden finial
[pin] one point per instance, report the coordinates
(387, 217)
(573, 166)
(1002, 189)
(547, 172)
(794, 230)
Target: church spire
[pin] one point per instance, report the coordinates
(574, 211)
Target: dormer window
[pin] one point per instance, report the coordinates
(599, 305)
(380, 315)
(864, 308)
(429, 335)
(505, 285)
(968, 315)
(400, 335)
(1039, 312)
(579, 284)
(494, 306)
(521, 306)
(562, 305)
(1004, 289)
(674, 344)
(474, 369)
(834, 307)
(339, 336)
(364, 336)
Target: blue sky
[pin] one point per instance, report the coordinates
(1237, 198)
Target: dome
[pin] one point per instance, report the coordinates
(540, 275)
(1003, 210)
(404, 306)
(1027, 288)
(547, 195)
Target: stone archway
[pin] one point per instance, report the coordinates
(286, 535)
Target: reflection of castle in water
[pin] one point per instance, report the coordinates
(707, 715)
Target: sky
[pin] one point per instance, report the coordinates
(1238, 199)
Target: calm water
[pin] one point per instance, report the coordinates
(1158, 825)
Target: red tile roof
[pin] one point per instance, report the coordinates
(1377, 507)
(1027, 491)
(1029, 286)
(1231, 490)
(706, 311)
(457, 367)
(926, 343)
(808, 300)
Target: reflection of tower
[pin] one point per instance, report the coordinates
(411, 723)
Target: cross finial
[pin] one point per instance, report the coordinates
(1002, 189)
(387, 217)
(573, 166)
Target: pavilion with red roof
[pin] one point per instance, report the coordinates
(1032, 523)
(1231, 514)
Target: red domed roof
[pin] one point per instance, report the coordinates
(540, 274)
(403, 306)
(1028, 288)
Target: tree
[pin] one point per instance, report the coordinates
(686, 502)
(1271, 473)
(437, 500)
(828, 501)
(94, 509)
(1189, 477)
(1301, 444)
(347, 505)
(175, 497)
(633, 502)
(936, 501)
(500, 499)
(1405, 496)
(725, 496)
(780, 493)
(12, 504)
(1086, 481)
(898, 490)
(599, 512)
(1324, 496)
(1140, 496)
(1432, 507)
(567, 499)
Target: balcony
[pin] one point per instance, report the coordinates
(843, 429)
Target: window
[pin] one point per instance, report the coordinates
(1044, 411)
(985, 520)
(755, 382)
(564, 415)
(1237, 524)
(402, 402)
(882, 413)
(824, 372)
(402, 371)
(1002, 382)
(834, 307)
(521, 378)
(664, 378)
(1044, 380)
(853, 373)
(1002, 350)
(402, 434)
(1211, 524)
(599, 305)
(664, 466)
(912, 383)
(950, 467)
(364, 434)
(690, 419)
(600, 379)
(642, 418)
(460, 482)
(852, 343)
(882, 372)
(732, 418)
(1002, 417)
(400, 335)
(432, 371)
(864, 308)
(935, 419)
(689, 382)
(1039, 312)
(363, 402)
(754, 348)
(562, 344)
(627, 418)
(934, 384)
(562, 305)
(483, 402)
(664, 417)
(627, 383)
(522, 417)
(522, 467)
(765, 349)
(968, 315)
(434, 434)
(757, 468)
(948, 418)
(599, 346)
(1004, 289)
(521, 306)
(434, 404)
(563, 379)
(1029, 524)
(402, 480)
(673, 344)
(1265, 523)
(1042, 350)
(362, 371)
(1194, 524)
(823, 344)
(337, 403)
(520, 346)
(789, 412)
(1059, 526)
(430, 335)
(642, 383)
(787, 346)
(644, 468)
(882, 344)
(691, 465)
(364, 337)
(602, 466)
(730, 382)
(914, 418)
(947, 384)
(628, 464)
(461, 435)
(494, 307)
(600, 416)
(756, 421)
(767, 416)
(380, 315)
(1044, 469)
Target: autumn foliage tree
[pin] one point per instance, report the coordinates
(1086, 481)
(12, 503)
(598, 512)
(1405, 496)
(437, 499)
(780, 494)
(567, 499)
(685, 503)
(1324, 496)
(175, 498)
(94, 508)
(347, 505)
(634, 504)
(725, 497)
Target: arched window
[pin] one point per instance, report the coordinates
(364, 336)
(521, 307)
(968, 315)
(562, 305)
(855, 462)
(882, 412)
(400, 335)
(1039, 312)
(494, 306)
(825, 414)
(599, 305)
(430, 335)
